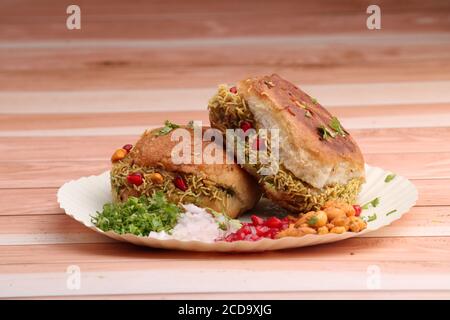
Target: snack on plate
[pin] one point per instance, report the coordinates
(319, 160)
(148, 167)
(333, 217)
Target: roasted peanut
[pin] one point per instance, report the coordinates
(322, 230)
(156, 178)
(356, 224)
(304, 218)
(334, 212)
(318, 220)
(338, 230)
(119, 154)
(339, 221)
(307, 230)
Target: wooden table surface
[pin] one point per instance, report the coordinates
(69, 98)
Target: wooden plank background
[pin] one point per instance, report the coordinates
(69, 98)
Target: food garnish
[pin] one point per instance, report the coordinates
(233, 90)
(334, 217)
(326, 133)
(168, 126)
(118, 155)
(138, 216)
(391, 212)
(375, 202)
(336, 126)
(156, 178)
(389, 177)
(128, 147)
(358, 209)
(308, 114)
(245, 126)
(258, 229)
(180, 183)
(371, 218)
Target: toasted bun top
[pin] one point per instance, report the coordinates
(153, 150)
(313, 158)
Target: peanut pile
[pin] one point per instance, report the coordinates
(334, 217)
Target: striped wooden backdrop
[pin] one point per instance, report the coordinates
(69, 98)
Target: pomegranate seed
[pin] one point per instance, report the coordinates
(257, 221)
(135, 178)
(261, 230)
(258, 144)
(254, 237)
(273, 222)
(180, 183)
(245, 230)
(245, 125)
(128, 147)
(233, 90)
(357, 209)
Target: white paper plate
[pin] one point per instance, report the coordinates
(82, 198)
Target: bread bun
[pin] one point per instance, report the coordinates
(222, 187)
(319, 160)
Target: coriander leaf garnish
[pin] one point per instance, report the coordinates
(326, 133)
(168, 126)
(337, 127)
(138, 216)
(312, 221)
(372, 218)
(314, 100)
(391, 212)
(375, 202)
(389, 177)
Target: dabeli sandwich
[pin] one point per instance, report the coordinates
(318, 159)
(148, 167)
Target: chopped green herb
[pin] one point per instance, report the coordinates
(389, 178)
(391, 212)
(314, 100)
(375, 202)
(312, 221)
(370, 218)
(138, 216)
(326, 133)
(168, 126)
(308, 114)
(336, 126)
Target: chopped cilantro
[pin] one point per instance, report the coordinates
(314, 100)
(337, 127)
(312, 221)
(326, 133)
(389, 178)
(138, 216)
(168, 126)
(391, 212)
(371, 218)
(375, 202)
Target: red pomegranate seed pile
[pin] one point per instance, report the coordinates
(180, 183)
(258, 229)
(233, 90)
